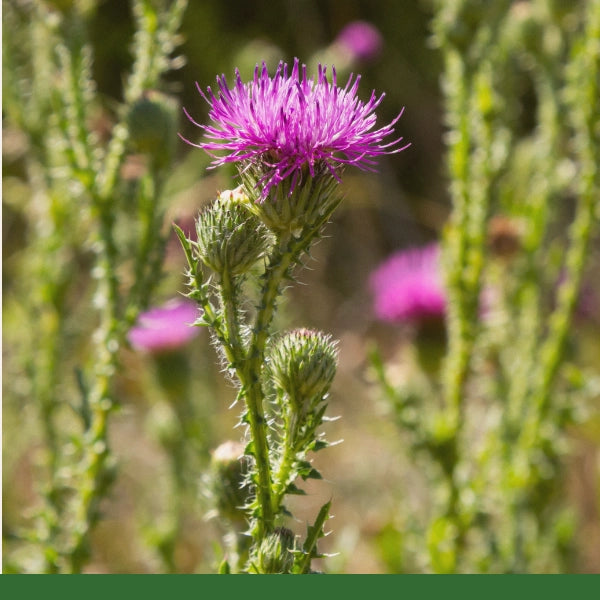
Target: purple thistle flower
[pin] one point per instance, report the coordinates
(361, 40)
(165, 328)
(408, 287)
(289, 123)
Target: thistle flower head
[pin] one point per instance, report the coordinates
(164, 328)
(408, 287)
(289, 126)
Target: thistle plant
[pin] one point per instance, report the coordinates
(290, 136)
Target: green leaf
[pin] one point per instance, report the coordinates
(292, 488)
(307, 471)
(249, 449)
(319, 414)
(314, 533)
(319, 445)
(185, 244)
(224, 568)
(304, 466)
(313, 474)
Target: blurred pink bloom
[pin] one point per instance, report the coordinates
(407, 286)
(165, 328)
(361, 40)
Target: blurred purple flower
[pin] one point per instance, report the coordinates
(165, 328)
(289, 122)
(361, 40)
(408, 287)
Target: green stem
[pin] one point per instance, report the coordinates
(314, 533)
(93, 478)
(233, 338)
(585, 88)
(46, 382)
(285, 255)
(456, 364)
(288, 457)
(543, 188)
(149, 63)
(94, 462)
(470, 115)
(148, 259)
(281, 260)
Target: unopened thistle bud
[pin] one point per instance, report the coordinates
(276, 552)
(152, 124)
(230, 238)
(302, 363)
(228, 477)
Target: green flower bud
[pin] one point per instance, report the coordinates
(302, 363)
(228, 482)
(311, 200)
(152, 124)
(276, 552)
(230, 238)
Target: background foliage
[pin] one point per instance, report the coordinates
(373, 477)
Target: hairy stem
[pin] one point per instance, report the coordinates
(279, 265)
(286, 463)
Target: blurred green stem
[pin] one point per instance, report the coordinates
(93, 475)
(585, 105)
(584, 90)
(470, 113)
(149, 63)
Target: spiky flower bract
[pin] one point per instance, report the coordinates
(289, 126)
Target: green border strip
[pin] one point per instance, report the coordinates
(90, 587)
